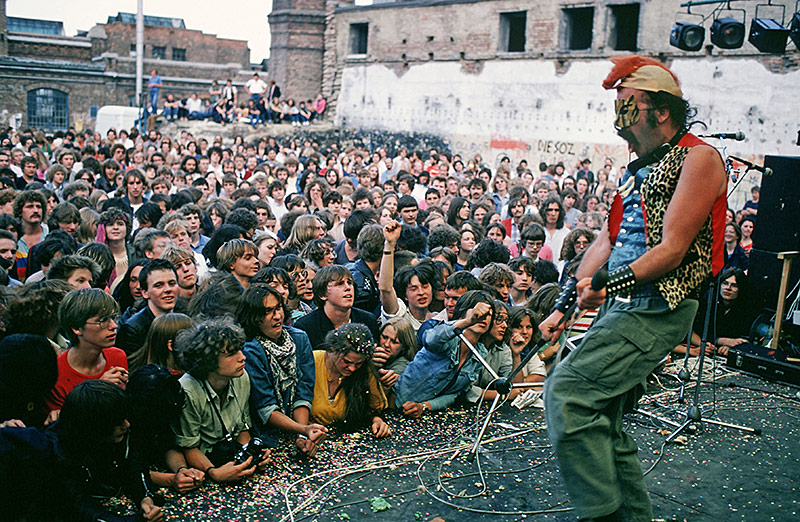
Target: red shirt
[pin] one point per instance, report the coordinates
(68, 378)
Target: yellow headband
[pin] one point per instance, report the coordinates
(652, 78)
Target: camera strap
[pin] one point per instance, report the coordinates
(226, 434)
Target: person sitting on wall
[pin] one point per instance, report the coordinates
(171, 106)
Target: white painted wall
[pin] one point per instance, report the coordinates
(527, 110)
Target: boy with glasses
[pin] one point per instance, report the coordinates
(532, 243)
(89, 318)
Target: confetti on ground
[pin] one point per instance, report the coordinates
(718, 473)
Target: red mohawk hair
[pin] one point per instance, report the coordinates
(627, 65)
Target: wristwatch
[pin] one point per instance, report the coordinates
(424, 407)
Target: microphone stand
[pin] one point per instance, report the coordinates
(685, 375)
(503, 386)
(694, 413)
(765, 171)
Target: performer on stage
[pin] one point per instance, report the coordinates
(662, 240)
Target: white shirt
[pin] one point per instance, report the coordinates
(555, 241)
(277, 210)
(419, 192)
(404, 312)
(194, 105)
(291, 185)
(256, 85)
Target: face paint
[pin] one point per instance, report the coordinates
(627, 112)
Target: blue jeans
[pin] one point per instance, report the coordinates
(171, 113)
(153, 95)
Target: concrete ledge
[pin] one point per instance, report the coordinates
(68, 42)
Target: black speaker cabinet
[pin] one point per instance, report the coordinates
(778, 221)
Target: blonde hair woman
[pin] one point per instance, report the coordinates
(305, 229)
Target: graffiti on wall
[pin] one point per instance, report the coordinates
(546, 150)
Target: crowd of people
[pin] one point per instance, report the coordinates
(261, 104)
(175, 307)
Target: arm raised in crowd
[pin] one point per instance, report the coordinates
(391, 234)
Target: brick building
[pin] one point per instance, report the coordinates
(298, 43)
(55, 81)
(521, 78)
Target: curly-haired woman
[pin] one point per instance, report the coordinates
(347, 389)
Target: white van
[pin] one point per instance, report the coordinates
(116, 116)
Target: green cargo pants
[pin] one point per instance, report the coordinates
(590, 390)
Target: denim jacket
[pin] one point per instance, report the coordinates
(262, 388)
(434, 375)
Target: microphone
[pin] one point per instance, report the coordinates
(752, 166)
(737, 136)
(599, 280)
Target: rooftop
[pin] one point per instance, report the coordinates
(32, 25)
(155, 21)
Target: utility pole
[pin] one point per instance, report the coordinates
(139, 49)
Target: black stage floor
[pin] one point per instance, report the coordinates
(716, 473)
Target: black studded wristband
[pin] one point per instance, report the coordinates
(567, 296)
(620, 280)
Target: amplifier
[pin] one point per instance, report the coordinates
(764, 362)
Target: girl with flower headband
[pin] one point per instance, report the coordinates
(347, 389)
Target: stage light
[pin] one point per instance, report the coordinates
(687, 36)
(794, 30)
(727, 33)
(768, 35)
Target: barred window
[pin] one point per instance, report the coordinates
(48, 109)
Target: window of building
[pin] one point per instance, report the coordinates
(48, 109)
(179, 55)
(624, 27)
(133, 49)
(512, 31)
(577, 28)
(159, 53)
(358, 38)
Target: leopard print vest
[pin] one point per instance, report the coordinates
(705, 256)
